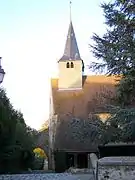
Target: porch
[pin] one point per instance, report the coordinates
(75, 159)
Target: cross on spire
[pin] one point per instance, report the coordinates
(71, 51)
(70, 11)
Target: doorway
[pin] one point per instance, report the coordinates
(82, 160)
(70, 160)
(78, 160)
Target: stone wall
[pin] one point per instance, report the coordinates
(113, 168)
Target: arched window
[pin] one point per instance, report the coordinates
(72, 65)
(67, 64)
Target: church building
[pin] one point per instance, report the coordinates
(74, 99)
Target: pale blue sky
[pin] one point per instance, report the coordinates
(32, 39)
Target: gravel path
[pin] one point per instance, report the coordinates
(49, 176)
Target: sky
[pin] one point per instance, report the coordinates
(32, 40)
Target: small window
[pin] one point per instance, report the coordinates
(67, 64)
(72, 65)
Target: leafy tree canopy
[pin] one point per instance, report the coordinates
(115, 53)
(16, 138)
(117, 46)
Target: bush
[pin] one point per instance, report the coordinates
(38, 163)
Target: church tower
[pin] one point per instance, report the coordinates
(70, 65)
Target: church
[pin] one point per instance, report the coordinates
(75, 97)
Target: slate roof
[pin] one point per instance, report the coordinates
(71, 51)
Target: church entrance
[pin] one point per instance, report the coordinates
(82, 160)
(77, 160)
(65, 160)
(70, 160)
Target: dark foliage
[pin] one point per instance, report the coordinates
(117, 46)
(16, 139)
(116, 49)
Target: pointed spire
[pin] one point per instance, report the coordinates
(71, 51)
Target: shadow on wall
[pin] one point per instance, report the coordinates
(77, 134)
(74, 130)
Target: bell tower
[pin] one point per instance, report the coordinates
(70, 65)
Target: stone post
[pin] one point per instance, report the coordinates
(89, 162)
(75, 160)
(52, 134)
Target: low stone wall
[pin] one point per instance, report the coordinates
(112, 168)
(79, 171)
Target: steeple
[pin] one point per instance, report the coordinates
(71, 51)
(71, 65)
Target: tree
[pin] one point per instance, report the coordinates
(75, 133)
(126, 89)
(116, 49)
(121, 125)
(16, 141)
(117, 46)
